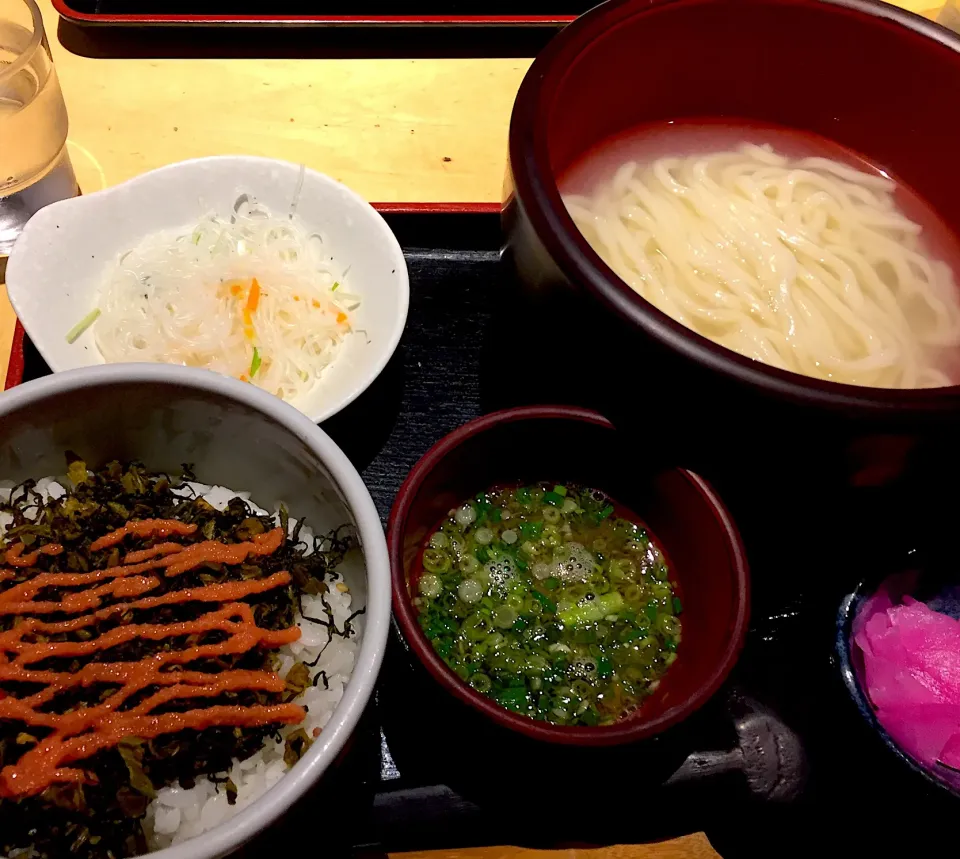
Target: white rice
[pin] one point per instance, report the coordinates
(178, 814)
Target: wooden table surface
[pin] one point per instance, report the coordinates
(394, 130)
(689, 847)
(384, 127)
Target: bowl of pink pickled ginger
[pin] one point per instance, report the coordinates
(899, 652)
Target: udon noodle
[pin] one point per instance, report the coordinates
(805, 264)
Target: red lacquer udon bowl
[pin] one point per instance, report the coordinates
(875, 79)
(683, 512)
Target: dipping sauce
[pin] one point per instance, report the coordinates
(550, 602)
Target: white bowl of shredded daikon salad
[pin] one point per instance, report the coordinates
(257, 269)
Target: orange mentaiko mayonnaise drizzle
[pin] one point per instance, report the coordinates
(86, 730)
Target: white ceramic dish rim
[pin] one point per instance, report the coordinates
(45, 221)
(232, 833)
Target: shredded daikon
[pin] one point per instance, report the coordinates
(252, 295)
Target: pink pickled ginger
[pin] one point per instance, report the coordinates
(911, 657)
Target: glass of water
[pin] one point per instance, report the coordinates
(950, 15)
(34, 167)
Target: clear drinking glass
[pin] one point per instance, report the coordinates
(34, 167)
(950, 15)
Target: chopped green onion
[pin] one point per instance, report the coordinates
(482, 683)
(501, 616)
(512, 697)
(593, 610)
(545, 601)
(668, 624)
(74, 333)
(531, 530)
(590, 717)
(483, 509)
(195, 238)
(336, 286)
(430, 586)
(255, 363)
(436, 561)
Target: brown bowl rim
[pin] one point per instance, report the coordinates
(535, 188)
(627, 731)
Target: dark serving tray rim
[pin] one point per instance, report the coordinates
(91, 19)
(15, 365)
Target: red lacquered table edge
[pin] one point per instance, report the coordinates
(15, 365)
(87, 18)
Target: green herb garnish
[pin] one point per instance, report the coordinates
(545, 622)
(74, 333)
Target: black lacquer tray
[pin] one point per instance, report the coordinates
(778, 764)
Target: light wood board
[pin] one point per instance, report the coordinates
(384, 127)
(689, 847)
(8, 322)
